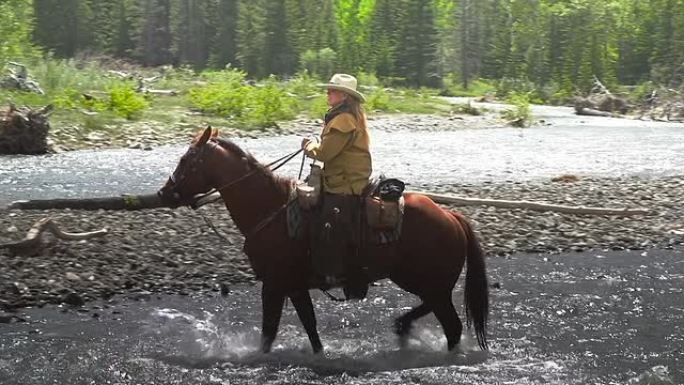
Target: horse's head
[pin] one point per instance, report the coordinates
(190, 177)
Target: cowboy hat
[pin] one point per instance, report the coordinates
(345, 83)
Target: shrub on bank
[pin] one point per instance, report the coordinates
(229, 95)
(521, 113)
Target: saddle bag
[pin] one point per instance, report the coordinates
(384, 215)
(309, 191)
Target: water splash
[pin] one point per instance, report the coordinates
(657, 375)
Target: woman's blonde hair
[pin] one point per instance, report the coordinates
(357, 110)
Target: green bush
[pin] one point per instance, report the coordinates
(368, 80)
(304, 85)
(318, 107)
(125, 102)
(378, 100)
(256, 106)
(267, 105)
(521, 114)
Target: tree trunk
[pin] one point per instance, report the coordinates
(139, 202)
(581, 210)
(125, 202)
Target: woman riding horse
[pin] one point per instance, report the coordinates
(426, 260)
(344, 149)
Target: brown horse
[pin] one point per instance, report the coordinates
(426, 260)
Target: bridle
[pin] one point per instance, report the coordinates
(193, 202)
(198, 159)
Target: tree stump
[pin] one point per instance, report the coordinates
(24, 130)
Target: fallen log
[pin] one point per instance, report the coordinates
(536, 206)
(124, 202)
(591, 112)
(151, 201)
(580, 210)
(33, 241)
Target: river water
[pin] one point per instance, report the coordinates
(594, 318)
(591, 318)
(568, 144)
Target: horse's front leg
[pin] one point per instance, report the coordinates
(302, 303)
(272, 301)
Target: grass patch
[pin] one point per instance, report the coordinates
(90, 98)
(521, 113)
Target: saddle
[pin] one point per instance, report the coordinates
(342, 227)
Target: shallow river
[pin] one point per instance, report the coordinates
(595, 318)
(592, 318)
(570, 144)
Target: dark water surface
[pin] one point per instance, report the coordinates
(592, 318)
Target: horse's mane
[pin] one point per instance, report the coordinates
(280, 182)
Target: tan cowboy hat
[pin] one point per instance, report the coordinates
(345, 83)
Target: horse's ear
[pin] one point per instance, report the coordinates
(214, 133)
(206, 135)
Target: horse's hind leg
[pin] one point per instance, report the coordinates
(302, 303)
(402, 325)
(444, 310)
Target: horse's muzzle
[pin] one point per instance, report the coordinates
(169, 197)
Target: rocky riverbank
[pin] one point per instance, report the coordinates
(175, 251)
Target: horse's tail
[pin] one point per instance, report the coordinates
(476, 286)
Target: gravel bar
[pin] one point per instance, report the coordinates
(176, 252)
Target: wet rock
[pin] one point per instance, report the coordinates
(73, 299)
(225, 289)
(6, 318)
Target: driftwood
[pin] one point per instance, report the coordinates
(591, 112)
(663, 104)
(125, 202)
(140, 202)
(33, 242)
(461, 201)
(600, 100)
(24, 130)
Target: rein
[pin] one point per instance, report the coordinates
(263, 223)
(283, 160)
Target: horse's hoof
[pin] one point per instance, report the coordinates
(266, 347)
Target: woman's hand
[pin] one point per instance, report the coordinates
(309, 140)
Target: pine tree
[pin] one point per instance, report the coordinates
(154, 37)
(277, 57)
(383, 37)
(63, 26)
(417, 58)
(224, 43)
(191, 33)
(251, 36)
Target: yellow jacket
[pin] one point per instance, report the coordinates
(345, 152)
